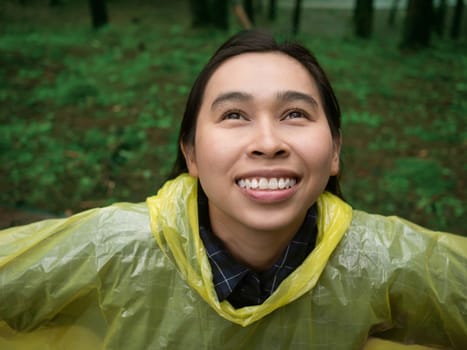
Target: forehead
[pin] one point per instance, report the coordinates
(260, 73)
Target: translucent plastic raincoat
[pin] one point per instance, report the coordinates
(136, 276)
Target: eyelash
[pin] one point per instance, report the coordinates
(302, 114)
(229, 114)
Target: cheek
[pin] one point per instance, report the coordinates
(214, 151)
(318, 152)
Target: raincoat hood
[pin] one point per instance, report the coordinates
(179, 239)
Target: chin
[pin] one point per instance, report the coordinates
(268, 224)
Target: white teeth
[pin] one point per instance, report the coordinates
(273, 184)
(263, 183)
(281, 183)
(254, 184)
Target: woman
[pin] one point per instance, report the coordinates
(253, 249)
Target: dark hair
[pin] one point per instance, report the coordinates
(257, 41)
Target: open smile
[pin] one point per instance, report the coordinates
(267, 184)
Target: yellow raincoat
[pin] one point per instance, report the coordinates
(136, 276)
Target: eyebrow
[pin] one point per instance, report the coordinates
(290, 96)
(231, 96)
(286, 96)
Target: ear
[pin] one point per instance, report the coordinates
(337, 144)
(190, 159)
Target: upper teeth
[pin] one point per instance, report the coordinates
(263, 183)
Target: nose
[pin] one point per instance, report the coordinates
(267, 141)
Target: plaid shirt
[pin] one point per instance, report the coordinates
(237, 283)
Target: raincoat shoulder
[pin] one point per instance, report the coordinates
(47, 266)
(418, 273)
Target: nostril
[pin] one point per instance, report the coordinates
(280, 152)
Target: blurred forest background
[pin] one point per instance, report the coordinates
(92, 94)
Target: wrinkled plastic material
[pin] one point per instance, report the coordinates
(135, 276)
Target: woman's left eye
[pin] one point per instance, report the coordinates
(295, 115)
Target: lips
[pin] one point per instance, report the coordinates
(267, 183)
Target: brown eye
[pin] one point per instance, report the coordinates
(233, 116)
(295, 115)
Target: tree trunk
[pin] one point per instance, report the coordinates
(210, 13)
(220, 14)
(296, 16)
(98, 10)
(250, 10)
(272, 10)
(393, 13)
(440, 17)
(363, 18)
(457, 19)
(418, 24)
(200, 14)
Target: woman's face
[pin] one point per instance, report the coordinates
(263, 150)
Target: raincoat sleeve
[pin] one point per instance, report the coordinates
(424, 273)
(46, 266)
(43, 267)
(429, 299)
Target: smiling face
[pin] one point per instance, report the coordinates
(263, 149)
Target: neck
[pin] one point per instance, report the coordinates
(256, 249)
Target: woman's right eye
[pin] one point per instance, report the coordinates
(233, 116)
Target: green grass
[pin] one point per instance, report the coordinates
(90, 118)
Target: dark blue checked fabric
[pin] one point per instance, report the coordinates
(237, 283)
